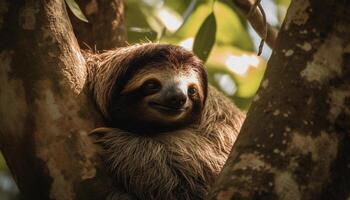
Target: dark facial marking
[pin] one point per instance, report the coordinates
(125, 109)
(151, 86)
(192, 90)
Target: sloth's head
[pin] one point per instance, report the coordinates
(159, 97)
(155, 88)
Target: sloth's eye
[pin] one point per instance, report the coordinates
(192, 91)
(151, 86)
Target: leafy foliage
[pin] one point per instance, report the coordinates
(73, 6)
(205, 38)
(217, 34)
(2, 163)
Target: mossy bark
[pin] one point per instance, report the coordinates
(295, 142)
(45, 111)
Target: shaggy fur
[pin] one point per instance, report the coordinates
(110, 72)
(181, 164)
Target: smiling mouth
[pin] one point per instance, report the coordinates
(166, 109)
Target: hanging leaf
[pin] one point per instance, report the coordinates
(205, 38)
(73, 6)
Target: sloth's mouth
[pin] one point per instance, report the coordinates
(166, 109)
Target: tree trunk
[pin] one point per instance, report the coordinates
(105, 29)
(44, 109)
(295, 141)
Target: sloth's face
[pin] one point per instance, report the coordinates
(160, 100)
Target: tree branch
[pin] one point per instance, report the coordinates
(295, 140)
(44, 110)
(256, 19)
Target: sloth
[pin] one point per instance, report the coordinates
(168, 132)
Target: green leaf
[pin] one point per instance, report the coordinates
(205, 38)
(73, 6)
(2, 163)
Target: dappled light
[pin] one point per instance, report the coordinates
(225, 83)
(236, 43)
(241, 64)
(171, 20)
(187, 43)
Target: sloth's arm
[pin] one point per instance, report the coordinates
(100, 135)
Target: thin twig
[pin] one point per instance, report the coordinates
(264, 34)
(258, 21)
(256, 5)
(253, 8)
(263, 39)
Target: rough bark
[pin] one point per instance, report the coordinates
(295, 142)
(44, 110)
(105, 29)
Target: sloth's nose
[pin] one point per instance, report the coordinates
(176, 99)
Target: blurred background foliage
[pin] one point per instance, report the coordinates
(8, 189)
(215, 30)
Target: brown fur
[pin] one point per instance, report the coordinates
(181, 164)
(110, 71)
